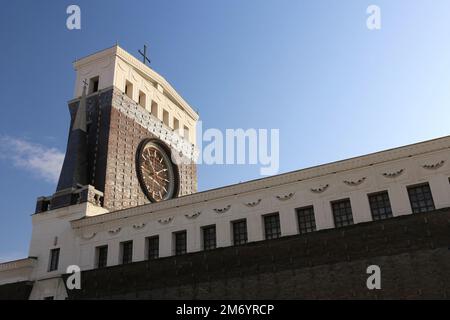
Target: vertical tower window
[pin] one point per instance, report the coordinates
(209, 237)
(166, 118)
(142, 98)
(101, 256)
(154, 109)
(54, 260)
(176, 124)
(129, 89)
(126, 252)
(420, 198)
(272, 226)
(93, 84)
(180, 242)
(342, 213)
(153, 247)
(239, 232)
(186, 132)
(380, 205)
(306, 219)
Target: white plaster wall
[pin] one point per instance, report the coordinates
(375, 182)
(113, 68)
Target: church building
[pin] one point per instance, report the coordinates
(132, 220)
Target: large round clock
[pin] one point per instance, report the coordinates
(157, 175)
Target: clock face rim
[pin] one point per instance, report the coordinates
(166, 154)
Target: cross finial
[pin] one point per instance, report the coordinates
(144, 55)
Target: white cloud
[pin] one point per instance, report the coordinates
(38, 159)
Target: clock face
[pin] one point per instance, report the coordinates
(156, 173)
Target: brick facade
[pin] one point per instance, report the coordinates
(113, 139)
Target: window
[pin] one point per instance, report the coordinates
(380, 206)
(129, 89)
(166, 117)
(54, 260)
(142, 98)
(180, 242)
(176, 124)
(93, 85)
(342, 213)
(127, 252)
(209, 237)
(186, 132)
(153, 247)
(154, 109)
(421, 198)
(272, 226)
(306, 220)
(239, 232)
(102, 256)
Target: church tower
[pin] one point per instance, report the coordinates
(131, 138)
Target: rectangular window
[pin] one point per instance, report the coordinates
(142, 98)
(239, 232)
(272, 226)
(380, 205)
(127, 252)
(180, 242)
(93, 85)
(176, 124)
(54, 260)
(186, 132)
(209, 237)
(421, 198)
(129, 89)
(342, 213)
(154, 109)
(166, 117)
(306, 219)
(153, 247)
(102, 256)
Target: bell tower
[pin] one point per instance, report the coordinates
(119, 103)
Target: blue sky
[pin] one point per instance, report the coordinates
(311, 69)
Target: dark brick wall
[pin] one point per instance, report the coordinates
(412, 252)
(16, 291)
(113, 139)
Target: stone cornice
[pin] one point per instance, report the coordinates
(274, 181)
(146, 71)
(18, 264)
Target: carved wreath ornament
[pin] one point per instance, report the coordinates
(138, 226)
(394, 174)
(253, 203)
(320, 189)
(355, 183)
(193, 215)
(88, 236)
(114, 231)
(286, 196)
(222, 210)
(434, 166)
(165, 220)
